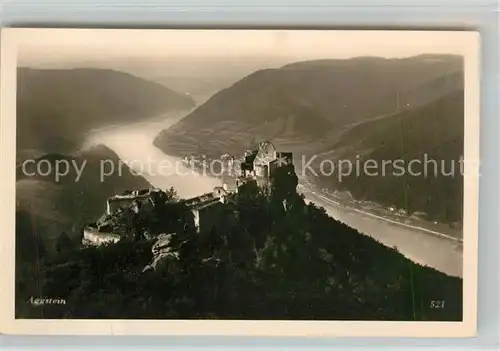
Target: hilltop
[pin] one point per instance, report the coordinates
(56, 107)
(296, 262)
(304, 102)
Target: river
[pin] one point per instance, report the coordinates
(134, 145)
(431, 249)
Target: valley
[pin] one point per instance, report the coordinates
(419, 240)
(311, 109)
(300, 247)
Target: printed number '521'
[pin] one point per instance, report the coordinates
(437, 304)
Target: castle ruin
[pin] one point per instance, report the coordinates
(257, 165)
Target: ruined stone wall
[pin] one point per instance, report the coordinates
(114, 204)
(216, 214)
(93, 237)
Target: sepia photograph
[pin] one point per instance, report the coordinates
(223, 176)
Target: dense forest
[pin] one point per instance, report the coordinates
(431, 137)
(301, 103)
(281, 258)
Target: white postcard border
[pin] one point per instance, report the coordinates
(9, 325)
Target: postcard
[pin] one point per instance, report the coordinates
(261, 182)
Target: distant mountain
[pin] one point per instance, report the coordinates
(55, 110)
(69, 204)
(56, 107)
(200, 88)
(434, 132)
(304, 102)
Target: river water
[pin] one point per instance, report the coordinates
(134, 145)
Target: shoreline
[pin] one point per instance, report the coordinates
(414, 242)
(361, 211)
(395, 222)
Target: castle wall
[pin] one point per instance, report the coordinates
(211, 215)
(285, 157)
(93, 237)
(229, 181)
(261, 171)
(113, 204)
(212, 209)
(196, 217)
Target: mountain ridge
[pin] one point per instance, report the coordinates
(50, 102)
(325, 93)
(429, 136)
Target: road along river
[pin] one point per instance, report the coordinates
(419, 244)
(134, 145)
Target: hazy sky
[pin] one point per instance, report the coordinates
(146, 49)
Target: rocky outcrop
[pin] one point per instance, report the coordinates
(162, 252)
